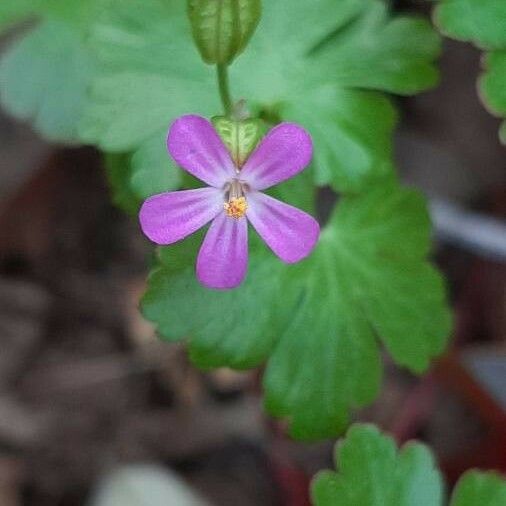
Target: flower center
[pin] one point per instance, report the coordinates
(236, 204)
(236, 208)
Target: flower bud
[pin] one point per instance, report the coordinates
(222, 28)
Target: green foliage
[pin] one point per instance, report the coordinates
(12, 12)
(483, 489)
(149, 75)
(482, 22)
(76, 12)
(492, 85)
(222, 28)
(118, 171)
(324, 64)
(371, 472)
(352, 134)
(43, 78)
(45, 72)
(241, 137)
(144, 181)
(373, 53)
(181, 307)
(315, 322)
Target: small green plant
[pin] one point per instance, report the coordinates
(371, 471)
(285, 83)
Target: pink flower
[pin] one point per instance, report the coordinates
(232, 198)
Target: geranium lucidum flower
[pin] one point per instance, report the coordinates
(232, 198)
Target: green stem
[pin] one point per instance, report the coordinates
(223, 85)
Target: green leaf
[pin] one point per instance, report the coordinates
(149, 75)
(118, 170)
(478, 488)
(299, 191)
(321, 351)
(492, 85)
(78, 13)
(145, 181)
(240, 137)
(352, 132)
(370, 265)
(222, 28)
(13, 11)
(371, 472)
(326, 360)
(493, 82)
(482, 22)
(502, 132)
(373, 53)
(53, 93)
(231, 327)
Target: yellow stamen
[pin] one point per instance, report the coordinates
(236, 207)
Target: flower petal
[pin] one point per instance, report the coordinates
(223, 256)
(197, 148)
(170, 217)
(283, 153)
(289, 232)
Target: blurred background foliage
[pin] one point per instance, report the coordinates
(483, 24)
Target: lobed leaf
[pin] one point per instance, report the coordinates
(150, 74)
(226, 327)
(352, 134)
(485, 489)
(372, 53)
(482, 22)
(46, 71)
(53, 94)
(372, 472)
(370, 265)
(492, 85)
(315, 322)
(117, 167)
